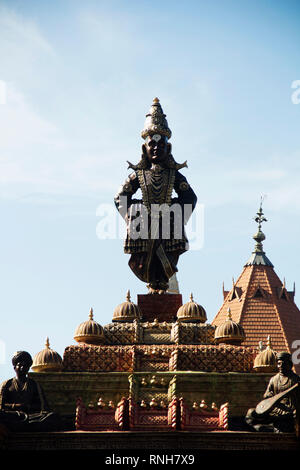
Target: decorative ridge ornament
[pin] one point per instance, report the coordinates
(258, 256)
(156, 122)
(91, 314)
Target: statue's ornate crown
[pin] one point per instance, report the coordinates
(156, 122)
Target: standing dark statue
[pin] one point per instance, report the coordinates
(23, 406)
(155, 247)
(280, 409)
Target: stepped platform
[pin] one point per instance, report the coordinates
(150, 441)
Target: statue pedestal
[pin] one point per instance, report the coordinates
(161, 306)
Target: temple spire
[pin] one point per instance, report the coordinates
(258, 255)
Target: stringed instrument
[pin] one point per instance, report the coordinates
(268, 404)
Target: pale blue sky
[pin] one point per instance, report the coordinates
(80, 77)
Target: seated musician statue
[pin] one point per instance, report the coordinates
(280, 409)
(23, 406)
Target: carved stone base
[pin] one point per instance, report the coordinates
(161, 306)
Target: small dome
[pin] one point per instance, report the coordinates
(127, 311)
(191, 312)
(229, 332)
(47, 360)
(265, 360)
(89, 332)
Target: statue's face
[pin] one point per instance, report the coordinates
(22, 367)
(284, 366)
(157, 148)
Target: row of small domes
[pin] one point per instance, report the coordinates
(91, 332)
(265, 361)
(50, 361)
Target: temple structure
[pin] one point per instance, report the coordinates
(261, 303)
(159, 355)
(159, 365)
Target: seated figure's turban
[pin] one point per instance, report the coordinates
(23, 356)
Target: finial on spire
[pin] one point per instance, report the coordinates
(229, 317)
(155, 100)
(260, 215)
(191, 297)
(47, 344)
(258, 256)
(259, 237)
(91, 314)
(128, 296)
(269, 344)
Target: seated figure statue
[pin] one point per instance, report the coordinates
(23, 405)
(280, 413)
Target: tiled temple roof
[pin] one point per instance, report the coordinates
(260, 302)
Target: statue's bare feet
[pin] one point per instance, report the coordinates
(157, 287)
(151, 290)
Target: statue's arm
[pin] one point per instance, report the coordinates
(4, 404)
(270, 390)
(123, 199)
(186, 195)
(3, 389)
(39, 401)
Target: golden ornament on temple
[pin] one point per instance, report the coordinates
(100, 403)
(153, 403)
(203, 405)
(47, 360)
(153, 380)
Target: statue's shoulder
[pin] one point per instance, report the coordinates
(5, 384)
(274, 379)
(132, 176)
